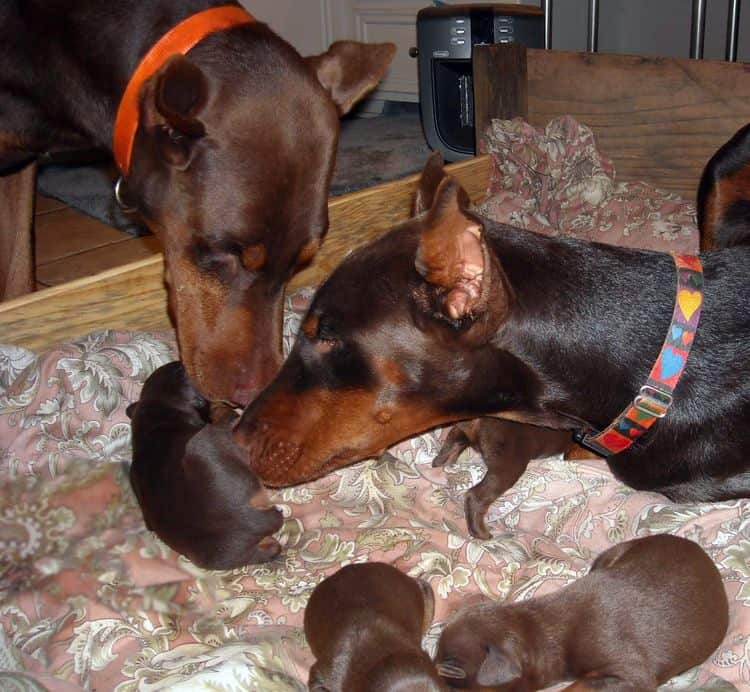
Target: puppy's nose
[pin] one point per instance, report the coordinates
(243, 395)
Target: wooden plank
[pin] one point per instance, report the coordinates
(123, 249)
(16, 229)
(133, 296)
(68, 232)
(658, 119)
(45, 205)
(499, 98)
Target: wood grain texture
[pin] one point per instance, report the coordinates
(81, 233)
(133, 296)
(503, 97)
(97, 259)
(658, 119)
(16, 232)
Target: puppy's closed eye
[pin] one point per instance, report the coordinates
(450, 669)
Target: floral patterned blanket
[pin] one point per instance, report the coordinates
(91, 600)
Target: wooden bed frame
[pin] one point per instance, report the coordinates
(659, 119)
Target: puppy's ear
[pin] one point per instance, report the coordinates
(431, 177)
(315, 682)
(428, 598)
(450, 669)
(130, 410)
(454, 257)
(348, 70)
(172, 103)
(498, 668)
(609, 557)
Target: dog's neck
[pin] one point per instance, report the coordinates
(588, 321)
(84, 55)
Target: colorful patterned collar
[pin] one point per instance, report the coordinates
(655, 397)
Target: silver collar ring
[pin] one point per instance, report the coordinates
(118, 196)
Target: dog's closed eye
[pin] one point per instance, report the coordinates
(317, 331)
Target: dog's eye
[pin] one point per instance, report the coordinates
(320, 333)
(223, 260)
(327, 337)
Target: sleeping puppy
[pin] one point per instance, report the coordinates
(648, 610)
(194, 490)
(364, 625)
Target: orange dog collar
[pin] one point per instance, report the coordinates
(179, 39)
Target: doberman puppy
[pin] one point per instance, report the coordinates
(723, 203)
(364, 625)
(506, 448)
(192, 484)
(452, 316)
(232, 153)
(649, 609)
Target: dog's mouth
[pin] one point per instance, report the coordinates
(288, 472)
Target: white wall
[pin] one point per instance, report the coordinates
(304, 23)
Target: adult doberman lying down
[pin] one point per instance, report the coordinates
(225, 138)
(451, 317)
(364, 625)
(190, 479)
(649, 609)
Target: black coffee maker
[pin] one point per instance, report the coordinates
(446, 37)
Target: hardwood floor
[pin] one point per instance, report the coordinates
(70, 245)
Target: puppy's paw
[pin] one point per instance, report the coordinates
(454, 444)
(475, 511)
(267, 549)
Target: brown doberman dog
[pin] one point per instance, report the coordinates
(226, 143)
(452, 316)
(649, 609)
(193, 487)
(364, 625)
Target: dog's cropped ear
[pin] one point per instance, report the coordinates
(453, 256)
(348, 70)
(432, 175)
(173, 102)
(498, 668)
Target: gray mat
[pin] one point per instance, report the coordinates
(371, 151)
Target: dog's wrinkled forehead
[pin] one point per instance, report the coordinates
(370, 285)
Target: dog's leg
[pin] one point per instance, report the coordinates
(502, 447)
(507, 448)
(17, 276)
(460, 436)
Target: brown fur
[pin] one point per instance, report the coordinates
(548, 331)
(231, 162)
(648, 610)
(506, 447)
(364, 625)
(193, 488)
